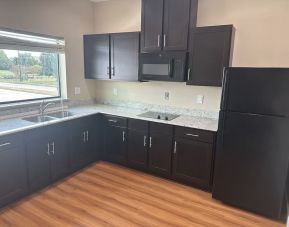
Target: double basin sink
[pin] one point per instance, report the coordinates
(48, 117)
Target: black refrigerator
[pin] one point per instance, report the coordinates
(252, 155)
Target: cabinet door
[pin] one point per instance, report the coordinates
(209, 55)
(116, 145)
(137, 152)
(160, 154)
(59, 151)
(192, 162)
(90, 152)
(13, 171)
(124, 56)
(176, 24)
(96, 56)
(76, 144)
(151, 25)
(38, 156)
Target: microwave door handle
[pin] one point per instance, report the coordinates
(171, 68)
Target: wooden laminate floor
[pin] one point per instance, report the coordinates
(109, 195)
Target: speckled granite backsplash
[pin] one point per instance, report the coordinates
(27, 109)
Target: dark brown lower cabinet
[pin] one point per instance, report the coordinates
(13, 169)
(192, 162)
(47, 155)
(138, 138)
(116, 144)
(82, 142)
(160, 152)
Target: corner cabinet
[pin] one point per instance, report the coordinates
(165, 24)
(112, 56)
(210, 53)
(96, 56)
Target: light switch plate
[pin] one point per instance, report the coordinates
(77, 90)
(167, 95)
(200, 99)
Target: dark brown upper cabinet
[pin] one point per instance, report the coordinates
(165, 24)
(112, 56)
(96, 56)
(210, 53)
(124, 56)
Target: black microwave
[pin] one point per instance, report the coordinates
(163, 66)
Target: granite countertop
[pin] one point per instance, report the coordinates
(17, 124)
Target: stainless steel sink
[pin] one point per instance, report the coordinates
(38, 119)
(60, 114)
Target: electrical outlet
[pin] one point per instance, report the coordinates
(77, 90)
(167, 95)
(115, 91)
(200, 99)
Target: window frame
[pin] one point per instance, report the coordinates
(38, 49)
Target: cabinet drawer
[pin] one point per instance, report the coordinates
(195, 134)
(159, 128)
(7, 142)
(138, 125)
(116, 121)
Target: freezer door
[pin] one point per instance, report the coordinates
(252, 162)
(256, 90)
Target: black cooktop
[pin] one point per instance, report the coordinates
(158, 115)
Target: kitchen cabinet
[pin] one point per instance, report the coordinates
(210, 53)
(96, 56)
(83, 142)
(163, 21)
(112, 56)
(13, 169)
(192, 157)
(47, 155)
(124, 56)
(160, 149)
(138, 138)
(116, 139)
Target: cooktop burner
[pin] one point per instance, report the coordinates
(160, 116)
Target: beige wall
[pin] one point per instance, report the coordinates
(67, 18)
(262, 39)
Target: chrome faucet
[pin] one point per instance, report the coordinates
(44, 106)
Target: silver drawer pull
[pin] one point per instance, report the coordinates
(193, 135)
(144, 141)
(5, 144)
(175, 147)
(151, 139)
(113, 121)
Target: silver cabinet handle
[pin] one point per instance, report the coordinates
(151, 139)
(144, 141)
(107, 70)
(193, 135)
(159, 40)
(48, 149)
(53, 145)
(86, 136)
(5, 144)
(175, 147)
(189, 74)
(113, 121)
(113, 71)
(165, 40)
(123, 136)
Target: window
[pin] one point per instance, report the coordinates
(30, 66)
